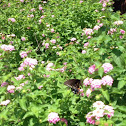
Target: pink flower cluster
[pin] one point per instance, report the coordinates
(97, 83)
(4, 84)
(111, 31)
(100, 111)
(23, 54)
(5, 102)
(53, 117)
(10, 88)
(118, 22)
(48, 67)
(92, 69)
(11, 19)
(28, 62)
(122, 31)
(107, 67)
(88, 31)
(20, 77)
(7, 47)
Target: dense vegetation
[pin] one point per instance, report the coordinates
(43, 44)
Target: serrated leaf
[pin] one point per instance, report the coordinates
(121, 84)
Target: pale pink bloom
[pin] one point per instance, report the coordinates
(64, 120)
(4, 84)
(96, 27)
(23, 38)
(107, 67)
(98, 112)
(65, 63)
(82, 94)
(22, 1)
(22, 84)
(111, 31)
(110, 110)
(53, 41)
(53, 118)
(73, 39)
(10, 88)
(104, 4)
(60, 47)
(47, 25)
(98, 104)
(7, 47)
(96, 83)
(47, 45)
(107, 80)
(88, 92)
(88, 31)
(20, 77)
(81, 1)
(11, 19)
(40, 7)
(96, 11)
(118, 22)
(23, 54)
(87, 81)
(53, 16)
(54, 47)
(57, 53)
(81, 90)
(21, 69)
(29, 74)
(40, 87)
(92, 69)
(50, 65)
(103, 9)
(122, 31)
(33, 9)
(19, 88)
(31, 15)
(98, 21)
(12, 35)
(120, 36)
(5, 102)
(90, 118)
(42, 16)
(86, 44)
(42, 62)
(9, 4)
(52, 30)
(89, 37)
(101, 24)
(83, 51)
(43, 35)
(47, 76)
(31, 62)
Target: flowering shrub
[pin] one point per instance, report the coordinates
(45, 43)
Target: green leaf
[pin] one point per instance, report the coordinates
(100, 71)
(22, 103)
(121, 84)
(106, 95)
(28, 114)
(81, 124)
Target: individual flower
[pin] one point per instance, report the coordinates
(98, 104)
(10, 88)
(20, 77)
(64, 120)
(109, 111)
(11, 19)
(73, 39)
(23, 38)
(53, 41)
(23, 54)
(88, 92)
(86, 44)
(52, 30)
(122, 31)
(4, 84)
(88, 31)
(107, 80)
(92, 69)
(101, 24)
(81, 1)
(5, 102)
(96, 83)
(90, 118)
(96, 27)
(107, 67)
(83, 51)
(53, 117)
(22, 1)
(47, 45)
(98, 113)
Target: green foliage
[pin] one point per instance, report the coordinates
(43, 91)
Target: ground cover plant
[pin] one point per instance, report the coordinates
(45, 43)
